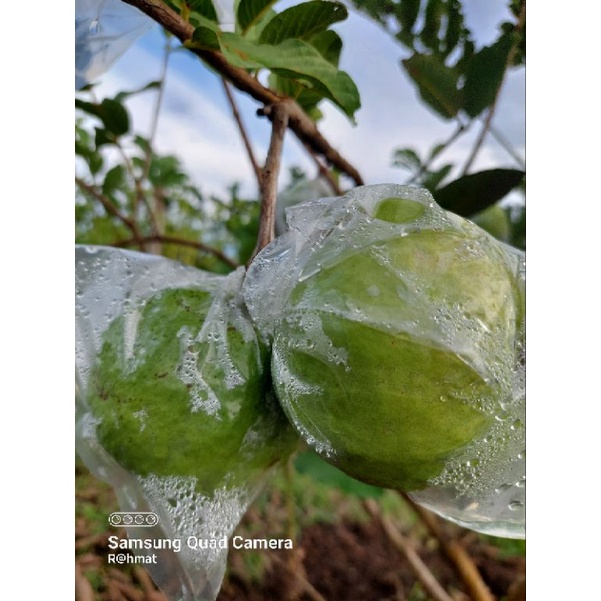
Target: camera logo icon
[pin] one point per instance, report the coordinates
(133, 518)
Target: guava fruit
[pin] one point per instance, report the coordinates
(179, 389)
(396, 345)
(495, 221)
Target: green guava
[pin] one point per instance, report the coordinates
(171, 401)
(495, 221)
(393, 359)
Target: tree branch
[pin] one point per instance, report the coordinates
(458, 556)
(298, 121)
(278, 113)
(242, 129)
(324, 171)
(110, 208)
(180, 242)
(419, 568)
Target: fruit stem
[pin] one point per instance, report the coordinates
(278, 113)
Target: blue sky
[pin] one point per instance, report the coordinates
(196, 122)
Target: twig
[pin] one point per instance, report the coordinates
(144, 579)
(83, 588)
(278, 113)
(457, 554)
(419, 568)
(110, 208)
(324, 171)
(461, 128)
(157, 211)
(242, 129)
(298, 575)
(298, 121)
(129, 591)
(502, 140)
(180, 242)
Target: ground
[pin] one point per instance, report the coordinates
(341, 553)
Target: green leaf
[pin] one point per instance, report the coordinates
(313, 465)
(204, 8)
(113, 180)
(433, 179)
(111, 112)
(328, 44)
(432, 23)
(142, 143)
(475, 192)
(153, 85)
(437, 83)
(406, 158)
(294, 59)
(114, 117)
(484, 75)
(203, 37)
(303, 21)
(103, 137)
(455, 26)
(406, 13)
(251, 11)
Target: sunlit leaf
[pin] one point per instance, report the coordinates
(303, 21)
(294, 59)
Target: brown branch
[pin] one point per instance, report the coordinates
(110, 208)
(419, 568)
(298, 574)
(278, 113)
(242, 129)
(180, 242)
(456, 553)
(324, 171)
(298, 121)
(83, 588)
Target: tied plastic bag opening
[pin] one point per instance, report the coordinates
(174, 408)
(398, 349)
(104, 30)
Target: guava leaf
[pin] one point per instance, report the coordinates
(437, 83)
(475, 192)
(251, 11)
(295, 59)
(302, 21)
(484, 75)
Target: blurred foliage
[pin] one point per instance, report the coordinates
(458, 82)
(129, 195)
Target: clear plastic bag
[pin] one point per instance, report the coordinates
(173, 408)
(398, 349)
(104, 30)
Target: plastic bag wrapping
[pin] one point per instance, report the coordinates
(398, 349)
(303, 191)
(173, 407)
(104, 30)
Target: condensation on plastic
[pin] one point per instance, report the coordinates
(104, 30)
(487, 495)
(303, 191)
(111, 283)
